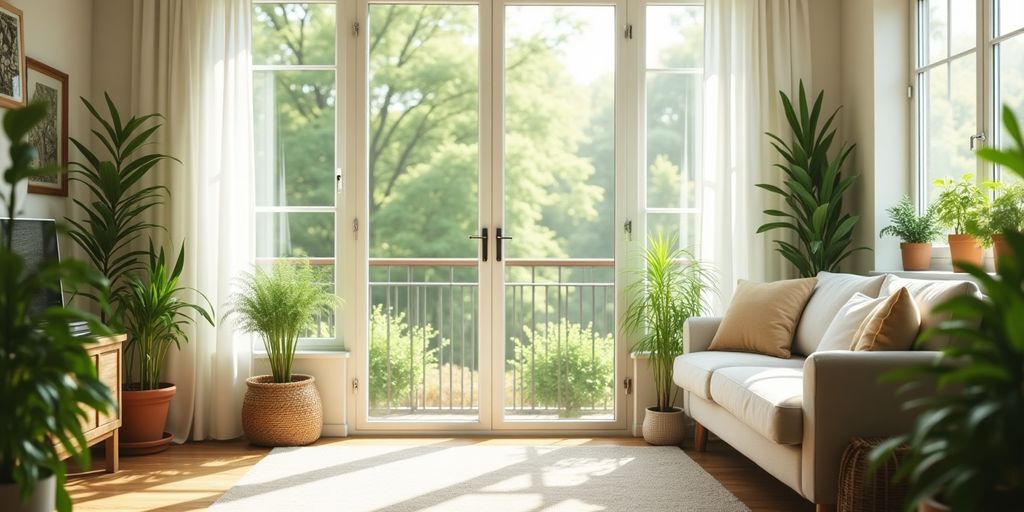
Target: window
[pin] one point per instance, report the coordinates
(674, 68)
(967, 65)
(294, 95)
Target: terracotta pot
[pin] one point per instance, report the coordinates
(664, 428)
(965, 248)
(1002, 249)
(285, 414)
(144, 413)
(42, 499)
(930, 505)
(916, 256)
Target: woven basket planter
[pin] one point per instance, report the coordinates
(664, 428)
(860, 492)
(288, 414)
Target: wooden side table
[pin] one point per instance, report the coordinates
(106, 355)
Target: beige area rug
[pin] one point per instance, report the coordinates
(477, 478)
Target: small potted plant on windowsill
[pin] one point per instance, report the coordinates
(1006, 214)
(282, 409)
(915, 232)
(960, 205)
(670, 289)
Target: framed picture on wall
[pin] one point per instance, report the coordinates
(50, 137)
(12, 56)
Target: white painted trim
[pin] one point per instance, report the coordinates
(334, 430)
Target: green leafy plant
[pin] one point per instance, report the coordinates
(1007, 212)
(961, 203)
(154, 315)
(565, 365)
(910, 227)
(48, 382)
(278, 305)
(399, 354)
(113, 219)
(967, 443)
(671, 288)
(813, 189)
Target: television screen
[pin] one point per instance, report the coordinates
(36, 241)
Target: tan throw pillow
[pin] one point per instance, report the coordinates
(892, 325)
(762, 317)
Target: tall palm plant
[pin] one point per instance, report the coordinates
(672, 287)
(113, 219)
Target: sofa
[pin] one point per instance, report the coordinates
(795, 416)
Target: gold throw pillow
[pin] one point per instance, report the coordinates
(892, 325)
(762, 317)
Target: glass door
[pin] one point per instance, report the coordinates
(558, 142)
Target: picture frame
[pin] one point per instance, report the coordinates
(50, 137)
(13, 79)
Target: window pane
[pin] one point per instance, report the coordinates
(294, 136)
(293, 34)
(936, 26)
(1011, 15)
(294, 235)
(1010, 75)
(684, 226)
(950, 118)
(963, 26)
(675, 36)
(673, 135)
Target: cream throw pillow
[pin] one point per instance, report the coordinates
(762, 317)
(840, 332)
(831, 293)
(892, 325)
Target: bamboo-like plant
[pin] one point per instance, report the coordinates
(672, 287)
(277, 305)
(48, 382)
(154, 316)
(113, 219)
(813, 189)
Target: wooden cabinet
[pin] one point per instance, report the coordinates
(106, 355)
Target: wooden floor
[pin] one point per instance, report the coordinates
(192, 476)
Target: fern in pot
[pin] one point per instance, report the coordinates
(48, 381)
(915, 232)
(961, 205)
(284, 408)
(671, 288)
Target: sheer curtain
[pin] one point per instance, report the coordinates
(191, 62)
(753, 49)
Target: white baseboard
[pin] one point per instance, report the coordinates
(334, 430)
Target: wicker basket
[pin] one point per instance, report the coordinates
(664, 428)
(288, 414)
(859, 492)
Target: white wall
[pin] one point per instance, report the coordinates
(58, 33)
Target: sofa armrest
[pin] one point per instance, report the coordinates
(842, 399)
(698, 332)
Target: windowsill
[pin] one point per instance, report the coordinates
(936, 275)
(311, 354)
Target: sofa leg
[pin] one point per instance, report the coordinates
(819, 507)
(700, 437)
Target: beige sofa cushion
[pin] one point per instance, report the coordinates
(927, 294)
(768, 400)
(839, 335)
(892, 325)
(831, 292)
(692, 372)
(762, 317)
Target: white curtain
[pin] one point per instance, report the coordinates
(753, 49)
(191, 62)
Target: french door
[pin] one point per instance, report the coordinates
(491, 169)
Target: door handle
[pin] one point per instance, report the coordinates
(498, 240)
(483, 236)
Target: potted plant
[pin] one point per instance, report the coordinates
(670, 289)
(282, 409)
(964, 452)
(153, 315)
(915, 232)
(813, 188)
(961, 203)
(1006, 214)
(48, 382)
